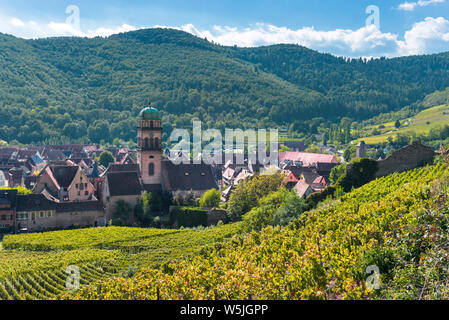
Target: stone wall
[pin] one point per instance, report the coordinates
(63, 220)
(216, 215)
(112, 201)
(407, 158)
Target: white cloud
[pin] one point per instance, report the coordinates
(17, 22)
(364, 41)
(410, 6)
(33, 29)
(65, 29)
(428, 36)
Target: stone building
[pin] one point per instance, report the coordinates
(36, 212)
(360, 151)
(120, 185)
(407, 158)
(65, 183)
(7, 208)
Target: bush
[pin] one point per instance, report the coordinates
(188, 217)
(337, 172)
(293, 208)
(106, 158)
(358, 173)
(317, 197)
(211, 199)
(249, 192)
(20, 190)
(262, 215)
(121, 214)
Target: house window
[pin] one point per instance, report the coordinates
(79, 193)
(33, 215)
(85, 185)
(22, 216)
(76, 185)
(41, 214)
(151, 169)
(49, 214)
(86, 193)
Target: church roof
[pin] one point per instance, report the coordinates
(123, 183)
(150, 113)
(185, 177)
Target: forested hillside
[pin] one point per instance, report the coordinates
(79, 90)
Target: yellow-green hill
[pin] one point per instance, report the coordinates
(422, 123)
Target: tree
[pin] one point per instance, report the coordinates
(211, 199)
(293, 208)
(142, 210)
(106, 158)
(121, 214)
(262, 214)
(397, 124)
(155, 202)
(247, 193)
(337, 172)
(99, 131)
(347, 155)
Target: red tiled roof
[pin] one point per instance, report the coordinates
(308, 159)
(290, 176)
(301, 188)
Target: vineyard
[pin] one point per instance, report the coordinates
(397, 224)
(388, 223)
(33, 266)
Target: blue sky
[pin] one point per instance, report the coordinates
(336, 26)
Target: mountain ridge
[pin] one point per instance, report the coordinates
(84, 81)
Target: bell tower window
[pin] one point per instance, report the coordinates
(151, 169)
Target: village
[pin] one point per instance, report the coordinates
(69, 188)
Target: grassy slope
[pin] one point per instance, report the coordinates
(422, 123)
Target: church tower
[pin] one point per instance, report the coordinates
(149, 146)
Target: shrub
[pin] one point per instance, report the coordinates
(359, 172)
(20, 190)
(263, 214)
(121, 214)
(293, 208)
(211, 199)
(106, 158)
(337, 172)
(188, 217)
(247, 193)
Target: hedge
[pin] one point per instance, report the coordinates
(188, 217)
